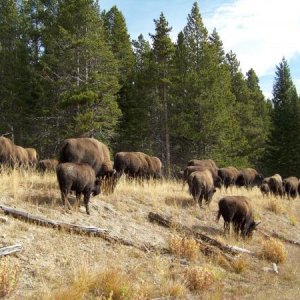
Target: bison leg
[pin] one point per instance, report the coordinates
(65, 201)
(78, 196)
(86, 202)
(226, 227)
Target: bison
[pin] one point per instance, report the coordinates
(80, 178)
(6, 151)
(201, 185)
(228, 176)
(32, 157)
(47, 165)
(190, 169)
(290, 186)
(249, 177)
(87, 151)
(237, 210)
(275, 185)
(21, 156)
(265, 189)
(203, 163)
(154, 167)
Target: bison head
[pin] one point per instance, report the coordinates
(96, 189)
(217, 182)
(249, 228)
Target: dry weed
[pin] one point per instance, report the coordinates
(184, 247)
(9, 277)
(293, 219)
(240, 264)
(199, 278)
(275, 206)
(274, 251)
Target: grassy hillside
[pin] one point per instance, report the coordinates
(59, 265)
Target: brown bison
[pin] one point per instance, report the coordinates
(80, 178)
(275, 185)
(21, 156)
(201, 185)
(190, 169)
(238, 211)
(290, 186)
(203, 163)
(133, 164)
(47, 165)
(87, 151)
(249, 177)
(265, 189)
(228, 176)
(32, 157)
(154, 167)
(6, 151)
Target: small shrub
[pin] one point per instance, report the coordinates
(199, 278)
(184, 247)
(9, 277)
(240, 264)
(176, 289)
(275, 206)
(274, 251)
(293, 220)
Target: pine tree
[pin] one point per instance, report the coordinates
(82, 71)
(162, 58)
(284, 144)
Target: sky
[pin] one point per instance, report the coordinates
(259, 32)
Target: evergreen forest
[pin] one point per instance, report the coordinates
(70, 69)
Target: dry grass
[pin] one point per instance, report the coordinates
(114, 271)
(274, 251)
(200, 278)
(184, 247)
(275, 206)
(9, 277)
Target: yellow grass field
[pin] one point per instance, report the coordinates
(58, 265)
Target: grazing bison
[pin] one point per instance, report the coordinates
(133, 164)
(228, 176)
(290, 186)
(190, 169)
(249, 177)
(47, 165)
(80, 178)
(87, 151)
(238, 211)
(154, 167)
(275, 185)
(21, 156)
(201, 185)
(6, 151)
(32, 157)
(265, 190)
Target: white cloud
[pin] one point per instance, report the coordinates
(260, 32)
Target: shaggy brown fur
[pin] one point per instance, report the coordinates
(275, 185)
(87, 151)
(201, 185)
(47, 165)
(238, 211)
(228, 175)
(249, 177)
(21, 156)
(79, 178)
(32, 156)
(6, 151)
(290, 186)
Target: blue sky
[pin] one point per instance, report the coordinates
(260, 32)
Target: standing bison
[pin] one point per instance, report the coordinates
(21, 156)
(32, 157)
(201, 185)
(47, 165)
(237, 210)
(249, 177)
(6, 151)
(228, 176)
(274, 184)
(79, 178)
(290, 186)
(203, 162)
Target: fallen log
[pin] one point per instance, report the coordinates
(10, 249)
(278, 236)
(77, 229)
(167, 222)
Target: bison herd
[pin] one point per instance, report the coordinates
(84, 166)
